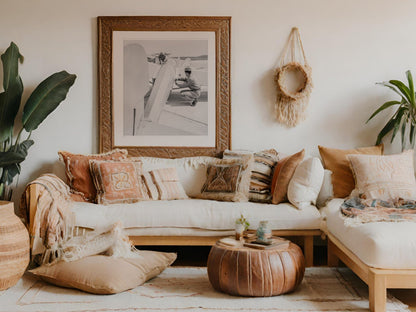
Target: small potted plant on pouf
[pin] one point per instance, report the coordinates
(241, 225)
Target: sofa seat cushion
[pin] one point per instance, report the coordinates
(384, 245)
(195, 213)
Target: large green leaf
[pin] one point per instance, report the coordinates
(10, 60)
(45, 98)
(9, 172)
(383, 107)
(403, 134)
(16, 154)
(398, 120)
(386, 129)
(403, 89)
(411, 88)
(13, 89)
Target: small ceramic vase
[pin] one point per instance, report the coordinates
(263, 231)
(239, 230)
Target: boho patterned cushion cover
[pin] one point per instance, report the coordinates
(228, 179)
(336, 161)
(77, 169)
(261, 173)
(118, 181)
(384, 177)
(283, 173)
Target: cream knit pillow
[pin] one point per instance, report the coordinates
(384, 177)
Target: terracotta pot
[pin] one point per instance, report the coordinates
(14, 246)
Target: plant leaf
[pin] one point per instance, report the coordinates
(45, 98)
(9, 172)
(10, 60)
(403, 133)
(392, 87)
(412, 135)
(16, 154)
(386, 129)
(411, 88)
(403, 89)
(13, 89)
(398, 121)
(383, 107)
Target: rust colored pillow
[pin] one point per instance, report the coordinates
(336, 161)
(118, 181)
(77, 169)
(283, 172)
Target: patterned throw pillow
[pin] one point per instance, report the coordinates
(164, 184)
(118, 181)
(384, 177)
(228, 179)
(336, 161)
(77, 169)
(261, 173)
(283, 173)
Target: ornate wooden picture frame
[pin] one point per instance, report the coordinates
(164, 85)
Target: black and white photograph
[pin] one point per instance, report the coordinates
(164, 88)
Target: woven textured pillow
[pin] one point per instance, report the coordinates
(283, 172)
(261, 173)
(228, 179)
(106, 275)
(164, 184)
(77, 169)
(118, 181)
(384, 177)
(336, 161)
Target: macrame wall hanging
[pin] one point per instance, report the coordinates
(293, 81)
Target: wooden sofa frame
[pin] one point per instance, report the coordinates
(306, 236)
(378, 280)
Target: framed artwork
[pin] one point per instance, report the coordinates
(164, 85)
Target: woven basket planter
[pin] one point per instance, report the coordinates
(14, 246)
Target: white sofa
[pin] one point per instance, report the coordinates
(194, 221)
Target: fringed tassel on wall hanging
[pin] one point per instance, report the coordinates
(293, 81)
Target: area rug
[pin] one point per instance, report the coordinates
(188, 289)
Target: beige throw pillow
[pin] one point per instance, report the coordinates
(106, 275)
(164, 184)
(384, 177)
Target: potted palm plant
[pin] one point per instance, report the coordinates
(41, 102)
(404, 117)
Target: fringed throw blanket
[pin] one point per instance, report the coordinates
(51, 227)
(51, 220)
(359, 210)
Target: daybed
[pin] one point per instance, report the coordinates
(383, 255)
(190, 221)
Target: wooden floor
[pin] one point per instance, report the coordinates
(198, 255)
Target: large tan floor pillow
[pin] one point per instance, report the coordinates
(106, 275)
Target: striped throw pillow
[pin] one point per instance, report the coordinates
(164, 184)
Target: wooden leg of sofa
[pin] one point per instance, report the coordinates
(308, 250)
(377, 292)
(333, 260)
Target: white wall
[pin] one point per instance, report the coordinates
(350, 45)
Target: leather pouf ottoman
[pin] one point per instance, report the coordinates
(246, 271)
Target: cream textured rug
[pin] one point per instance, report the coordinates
(188, 289)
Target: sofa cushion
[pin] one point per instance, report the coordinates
(191, 170)
(282, 175)
(118, 181)
(228, 179)
(195, 213)
(336, 161)
(77, 169)
(384, 177)
(167, 184)
(306, 183)
(385, 245)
